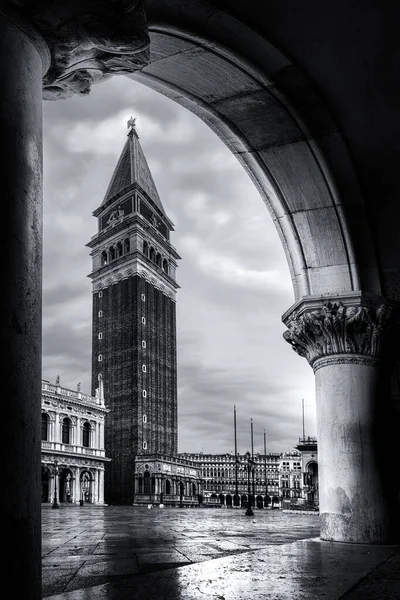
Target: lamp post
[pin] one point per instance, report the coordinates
(55, 503)
(249, 511)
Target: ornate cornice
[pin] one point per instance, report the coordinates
(339, 333)
(131, 268)
(88, 40)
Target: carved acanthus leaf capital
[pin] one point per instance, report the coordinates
(89, 40)
(338, 329)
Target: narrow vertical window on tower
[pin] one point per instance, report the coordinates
(143, 297)
(100, 294)
(144, 320)
(143, 344)
(100, 336)
(100, 357)
(144, 368)
(100, 313)
(144, 394)
(144, 445)
(144, 418)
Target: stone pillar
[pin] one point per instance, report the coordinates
(101, 486)
(21, 68)
(343, 341)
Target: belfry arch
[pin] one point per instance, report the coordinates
(342, 253)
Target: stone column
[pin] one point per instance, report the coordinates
(343, 341)
(101, 486)
(21, 64)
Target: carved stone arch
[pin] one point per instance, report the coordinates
(290, 144)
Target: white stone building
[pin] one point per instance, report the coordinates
(73, 455)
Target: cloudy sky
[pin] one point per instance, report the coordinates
(235, 283)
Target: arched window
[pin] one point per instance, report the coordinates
(45, 426)
(165, 265)
(104, 258)
(112, 253)
(127, 245)
(86, 435)
(151, 253)
(168, 487)
(66, 428)
(146, 482)
(158, 260)
(145, 248)
(119, 249)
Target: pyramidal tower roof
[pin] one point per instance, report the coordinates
(132, 168)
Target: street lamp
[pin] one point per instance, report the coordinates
(249, 511)
(55, 469)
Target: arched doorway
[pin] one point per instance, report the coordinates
(86, 487)
(65, 491)
(229, 500)
(259, 502)
(311, 484)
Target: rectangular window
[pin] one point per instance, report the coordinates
(100, 357)
(100, 294)
(143, 344)
(100, 336)
(100, 313)
(144, 320)
(143, 297)
(144, 368)
(144, 418)
(144, 394)
(144, 445)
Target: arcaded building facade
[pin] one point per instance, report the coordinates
(73, 454)
(134, 321)
(268, 479)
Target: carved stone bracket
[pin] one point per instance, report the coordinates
(88, 40)
(337, 329)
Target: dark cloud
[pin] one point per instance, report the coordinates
(234, 278)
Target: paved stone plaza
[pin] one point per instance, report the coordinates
(116, 553)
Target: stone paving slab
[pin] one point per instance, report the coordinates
(304, 570)
(210, 554)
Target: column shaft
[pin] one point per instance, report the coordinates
(357, 493)
(21, 177)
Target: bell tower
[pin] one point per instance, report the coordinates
(134, 320)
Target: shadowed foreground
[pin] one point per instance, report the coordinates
(115, 553)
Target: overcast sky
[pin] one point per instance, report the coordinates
(235, 282)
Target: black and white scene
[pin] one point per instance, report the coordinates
(201, 299)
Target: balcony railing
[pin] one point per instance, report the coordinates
(72, 449)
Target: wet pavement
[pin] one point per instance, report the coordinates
(120, 553)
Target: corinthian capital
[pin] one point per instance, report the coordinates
(337, 328)
(88, 40)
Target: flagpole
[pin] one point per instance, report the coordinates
(236, 499)
(252, 463)
(265, 470)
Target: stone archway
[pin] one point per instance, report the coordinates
(272, 117)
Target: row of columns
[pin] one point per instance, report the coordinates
(160, 486)
(96, 489)
(96, 433)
